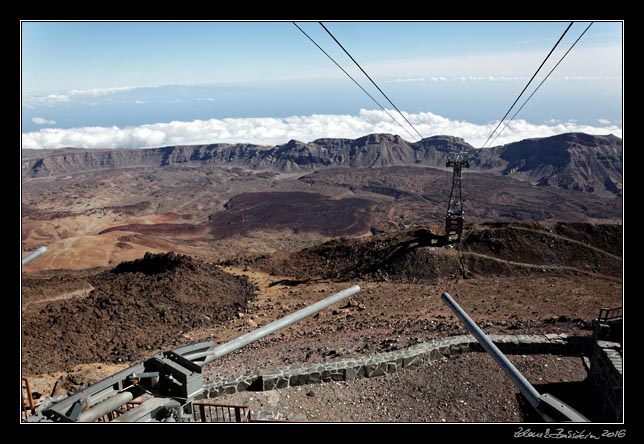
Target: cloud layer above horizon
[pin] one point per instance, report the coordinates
(272, 131)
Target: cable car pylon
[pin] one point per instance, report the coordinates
(454, 217)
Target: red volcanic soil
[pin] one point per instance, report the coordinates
(297, 211)
(158, 229)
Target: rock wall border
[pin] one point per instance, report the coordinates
(380, 364)
(606, 374)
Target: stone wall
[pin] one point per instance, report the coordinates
(606, 374)
(379, 364)
(609, 329)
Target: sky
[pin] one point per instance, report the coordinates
(143, 84)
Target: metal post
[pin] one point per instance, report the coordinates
(274, 326)
(33, 255)
(202, 412)
(30, 397)
(238, 414)
(531, 394)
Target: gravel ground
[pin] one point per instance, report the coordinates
(465, 388)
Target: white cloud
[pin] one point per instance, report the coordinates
(604, 121)
(50, 99)
(459, 79)
(407, 80)
(42, 121)
(592, 77)
(100, 91)
(269, 131)
(56, 98)
(140, 102)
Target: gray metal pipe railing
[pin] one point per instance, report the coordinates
(33, 255)
(531, 394)
(278, 324)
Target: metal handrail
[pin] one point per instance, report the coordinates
(531, 394)
(606, 314)
(215, 412)
(30, 408)
(548, 406)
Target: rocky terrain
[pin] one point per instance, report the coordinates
(137, 308)
(97, 208)
(414, 255)
(152, 249)
(573, 161)
(296, 211)
(78, 324)
(125, 312)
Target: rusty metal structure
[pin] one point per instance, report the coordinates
(166, 387)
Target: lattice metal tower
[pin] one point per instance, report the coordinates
(454, 217)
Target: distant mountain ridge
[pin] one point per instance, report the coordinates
(575, 161)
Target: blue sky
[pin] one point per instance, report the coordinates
(99, 84)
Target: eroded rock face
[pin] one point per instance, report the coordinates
(575, 161)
